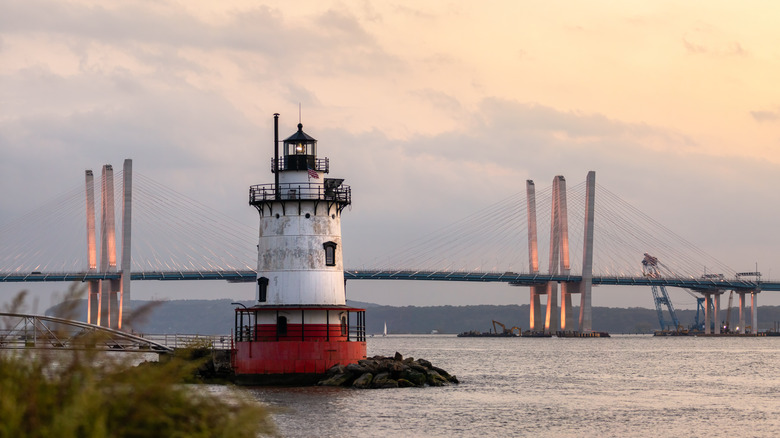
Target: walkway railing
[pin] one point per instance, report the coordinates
(39, 331)
(215, 342)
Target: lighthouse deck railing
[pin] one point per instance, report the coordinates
(247, 329)
(266, 333)
(300, 191)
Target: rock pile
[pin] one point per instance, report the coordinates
(388, 372)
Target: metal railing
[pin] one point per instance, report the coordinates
(319, 164)
(352, 328)
(295, 333)
(215, 342)
(300, 191)
(41, 331)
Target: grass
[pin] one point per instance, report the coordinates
(81, 394)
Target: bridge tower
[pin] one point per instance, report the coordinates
(535, 323)
(559, 260)
(300, 325)
(585, 287)
(105, 298)
(93, 285)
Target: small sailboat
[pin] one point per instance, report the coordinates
(384, 333)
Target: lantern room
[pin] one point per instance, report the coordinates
(300, 151)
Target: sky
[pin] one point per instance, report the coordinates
(429, 110)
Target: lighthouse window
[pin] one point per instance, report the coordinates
(262, 291)
(301, 149)
(330, 253)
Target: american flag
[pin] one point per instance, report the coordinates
(313, 173)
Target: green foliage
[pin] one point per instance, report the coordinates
(89, 393)
(195, 349)
(84, 398)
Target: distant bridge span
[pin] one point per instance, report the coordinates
(512, 278)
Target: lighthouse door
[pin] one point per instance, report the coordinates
(281, 326)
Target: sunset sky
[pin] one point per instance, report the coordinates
(429, 110)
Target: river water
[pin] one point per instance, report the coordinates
(620, 386)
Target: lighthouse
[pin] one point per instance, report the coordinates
(300, 325)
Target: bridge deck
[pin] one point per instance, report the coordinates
(513, 278)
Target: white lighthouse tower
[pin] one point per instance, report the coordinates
(300, 325)
(299, 254)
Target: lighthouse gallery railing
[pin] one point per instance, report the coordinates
(300, 191)
(247, 328)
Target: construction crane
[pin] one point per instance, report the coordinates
(504, 330)
(650, 267)
(698, 324)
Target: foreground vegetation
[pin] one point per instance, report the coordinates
(85, 394)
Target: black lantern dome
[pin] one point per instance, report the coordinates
(300, 151)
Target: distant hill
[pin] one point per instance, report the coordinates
(175, 316)
(216, 317)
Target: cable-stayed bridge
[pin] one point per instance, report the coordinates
(175, 237)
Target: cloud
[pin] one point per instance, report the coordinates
(178, 132)
(441, 101)
(694, 48)
(765, 116)
(334, 35)
(415, 13)
(710, 42)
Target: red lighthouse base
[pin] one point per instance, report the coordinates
(277, 346)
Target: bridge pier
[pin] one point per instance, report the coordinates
(536, 321)
(716, 311)
(567, 316)
(741, 328)
(551, 319)
(93, 301)
(753, 311)
(712, 312)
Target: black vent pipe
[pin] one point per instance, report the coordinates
(276, 156)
